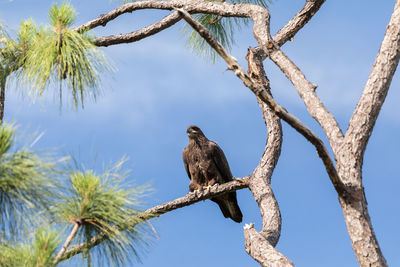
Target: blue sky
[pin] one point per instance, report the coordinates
(161, 87)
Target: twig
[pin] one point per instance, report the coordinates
(67, 242)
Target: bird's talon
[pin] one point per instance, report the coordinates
(207, 188)
(240, 180)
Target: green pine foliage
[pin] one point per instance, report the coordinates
(104, 204)
(31, 195)
(222, 28)
(26, 184)
(36, 251)
(54, 55)
(71, 57)
(9, 56)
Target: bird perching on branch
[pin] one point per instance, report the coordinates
(206, 166)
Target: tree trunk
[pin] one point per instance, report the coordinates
(355, 212)
(2, 98)
(361, 232)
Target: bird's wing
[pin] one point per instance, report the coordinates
(185, 161)
(221, 162)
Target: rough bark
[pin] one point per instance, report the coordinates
(306, 91)
(348, 149)
(192, 6)
(261, 245)
(135, 36)
(262, 94)
(364, 117)
(263, 252)
(350, 158)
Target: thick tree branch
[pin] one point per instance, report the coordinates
(192, 6)
(259, 91)
(261, 245)
(135, 36)
(364, 117)
(189, 199)
(306, 91)
(297, 22)
(260, 181)
(257, 13)
(263, 252)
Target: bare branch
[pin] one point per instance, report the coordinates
(259, 91)
(306, 91)
(135, 36)
(192, 6)
(189, 199)
(364, 117)
(260, 181)
(297, 22)
(263, 252)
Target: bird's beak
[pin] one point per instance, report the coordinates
(191, 132)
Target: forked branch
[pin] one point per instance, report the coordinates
(307, 93)
(260, 92)
(366, 113)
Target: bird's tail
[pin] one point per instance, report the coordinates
(233, 207)
(229, 206)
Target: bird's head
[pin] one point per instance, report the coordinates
(194, 132)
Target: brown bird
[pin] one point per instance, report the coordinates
(206, 165)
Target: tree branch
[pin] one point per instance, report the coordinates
(263, 252)
(67, 242)
(192, 6)
(366, 113)
(135, 36)
(189, 199)
(259, 91)
(297, 22)
(306, 91)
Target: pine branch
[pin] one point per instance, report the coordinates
(189, 199)
(67, 241)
